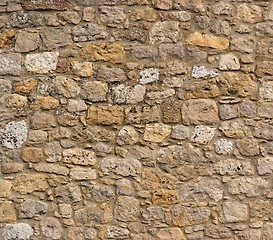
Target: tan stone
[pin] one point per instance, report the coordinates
(27, 41)
(156, 132)
(164, 197)
(46, 103)
(25, 86)
(82, 69)
(5, 189)
(107, 52)
(199, 111)
(233, 212)
(263, 130)
(127, 209)
(163, 4)
(28, 183)
(196, 5)
(79, 156)
(7, 212)
(249, 13)
(80, 173)
(16, 101)
(105, 115)
(42, 120)
(207, 40)
(67, 120)
(12, 167)
(66, 87)
(95, 91)
(6, 38)
(51, 168)
(32, 154)
(171, 234)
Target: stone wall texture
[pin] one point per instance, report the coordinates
(136, 119)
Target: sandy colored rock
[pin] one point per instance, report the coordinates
(17, 231)
(207, 40)
(127, 135)
(95, 91)
(156, 132)
(27, 41)
(41, 120)
(79, 156)
(171, 234)
(265, 165)
(66, 87)
(12, 167)
(32, 154)
(32, 208)
(113, 53)
(164, 197)
(6, 38)
(46, 103)
(46, 5)
(51, 168)
(51, 228)
(127, 209)
(10, 64)
(82, 69)
(233, 212)
(16, 101)
(202, 134)
(112, 74)
(80, 173)
(7, 212)
(5, 189)
(25, 86)
(164, 5)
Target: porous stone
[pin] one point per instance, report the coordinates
(156, 132)
(25, 86)
(27, 41)
(46, 5)
(233, 167)
(193, 5)
(229, 62)
(89, 32)
(6, 38)
(88, 14)
(51, 168)
(202, 134)
(128, 95)
(20, 231)
(70, 17)
(249, 13)
(95, 91)
(223, 146)
(5, 189)
(14, 134)
(248, 147)
(32, 154)
(265, 165)
(180, 132)
(170, 234)
(112, 74)
(233, 212)
(41, 62)
(164, 5)
(149, 75)
(41, 120)
(202, 72)
(80, 173)
(51, 228)
(79, 156)
(127, 209)
(243, 44)
(82, 69)
(69, 193)
(127, 135)
(10, 64)
(112, 16)
(46, 103)
(32, 208)
(266, 90)
(264, 131)
(199, 111)
(76, 105)
(66, 87)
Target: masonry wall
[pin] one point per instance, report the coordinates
(136, 119)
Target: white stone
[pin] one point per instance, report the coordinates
(129, 94)
(14, 134)
(149, 75)
(202, 72)
(265, 165)
(202, 134)
(266, 90)
(20, 231)
(74, 105)
(229, 62)
(223, 146)
(41, 62)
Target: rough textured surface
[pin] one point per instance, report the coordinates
(136, 119)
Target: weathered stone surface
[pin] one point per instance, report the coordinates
(5, 189)
(105, 115)
(113, 53)
(149, 75)
(51, 168)
(221, 28)
(80, 173)
(41, 62)
(76, 105)
(233, 212)
(180, 132)
(118, 166)
(16, 101)
(82, 69)
(46, 5)
(79, 156)
(199, 111)
(223, 146)
(156, 132)
(164, 5)
(143, 114)
(264, 131)
(46, 103)
(229, 62)
(89, 32)
(268, 230)
(202, 72)
(243, 44)
(6, 38)
(248, 147)
(20, 231)
(129, 95)
(14, 134)
(194, 5)
(233, 129)
(27, 183)
(32, 154)
(249, 13)
(27, 41)
(112, 16)
(228, 111)
(12, 167)
(127, 135)
(215, 231)
(10, 64)
(51, 228)
(70, 17)
(266, 90)
(95, 91)
(170, 234)
(32, 208)
(265, 165)
(207, 40)
(69, 193)
(25, 86)
(41, 120)
(66, 87)
(234, 167)
(202, 134)
(127, 209)
(88, 14)
(112, 74)
(24, 19)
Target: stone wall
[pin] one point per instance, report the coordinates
(136, 119)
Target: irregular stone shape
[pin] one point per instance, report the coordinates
(264, 68)
(189, 215)
(202, 72)
(11, 167)
(15, 101)
(46, 103)
(129, 95)
(67, 120)
(32, 208)
(248, 147)
(66, 87)
(25, 86)
(156, 132)
(69, 193)
(120, 166)
(199, 111)
(171, 110)
(99, 192)
(193, 5)
(163, 5)
(5, 189)
(153, 179)
(88, 14)
(233, 129)
(89, 32)
(32, 154)
(180, 132)
(233, 167)
(207, 40)
(6, 38)
(80, 173)
(20, 231)
(28, 183)
(202, 134)
(228, 111)
(7, 212)
(112, 74)
(265, 165)
(145, 13)
(107, 52)
(251, 187)
(158, 95)
(267, 231)
(55, 38)
(233, 212)
(79, 156)
(51, 228)
(243, 44)
(164, 32)
(249, 13)
(14, 134)
(41, 62)
(202, 190)
(82, 69)
(171, 234)
(70, 17)
(149, 75)
(217, 232)
(41, 120)
(114, 232)
(238, 84)
(105, 115)
(229, 62)
(76, 105)
(95, 91)
(112, 16)
(265, 110)
(223, 146)
(169, 49)
(24, 19)
(266, 91)
(143, 114)
(10, 64)
(221, 28)
(127, 209)
(248, 109)
(5, 87)
(141, 52)
(264, 131)
(127, 136)
(46, 5)
(27, 41)
(182, 16)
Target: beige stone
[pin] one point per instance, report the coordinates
(5, 189)
(79, 156)
(164, 197)
(25, 86)
(95, 91)
(51, 168)
(171, 234)
(27, 41)
(41, 120)
(249, 13)
(46, 103)
(32, 154)
(163, 4)
(233, 212)
(16, 101)
(6, 38)
(80, 173)
(82, 69)
(66, 87)
(12, 167)
(127, 209)
(156, 132)
(7, 212)
(207, 40)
